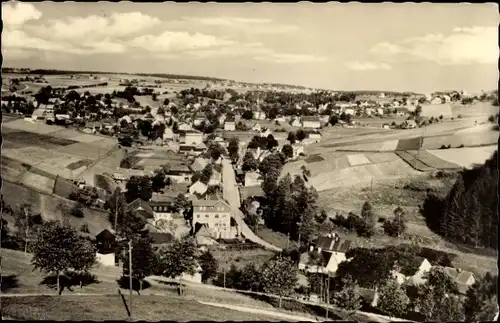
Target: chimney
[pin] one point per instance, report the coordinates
(329, 235)
(311, 248)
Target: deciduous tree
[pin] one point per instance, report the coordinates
(279, 277)
(249, 163)
(347, 298)
(393, 299)
(209, 265)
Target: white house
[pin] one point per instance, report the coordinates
(257, 127)
(193, 138)
(297, 150)
(296, 123)
(349, 111)
(230, 126)
(332, 250)
(381, 95)
(259, 115)
(436, 100)
(107, 260)
(311, 122)
(198, 188)
(369, 111)
(185, 127)
(253, 179)
(446, 98)
(315, 137)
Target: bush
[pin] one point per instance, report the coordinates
(491, 119)
(459, 116)
(461, 146)
(381, 219)
(84, 228)
(77, 211)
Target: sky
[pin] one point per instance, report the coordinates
(351, 46)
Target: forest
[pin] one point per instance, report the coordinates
(468, 214)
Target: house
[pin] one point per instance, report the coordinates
(184, 127)
(199, 164)
(105, 242)
(401, 111)
(168, 134)
(179, 173)
(259, 115)
(256, 127)
(230, 126)
(332, 250)
(314, 137)
(198, 188)
(464, 279)
(160, 204)
(193, 138)
(349, 112)
(296, 123)
(297, 150)
(409, 124)
(281, 119)
(265, 132)
(381, 95)
(370, 111)
(386, 126)
(253, 179)
(198, 119)
(215, 179)
(380, 111)
(311, 122)
(436, 100)
(216, 214)
(140, 207)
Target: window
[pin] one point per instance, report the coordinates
(216, 216)
(206, 215)
(198, 216)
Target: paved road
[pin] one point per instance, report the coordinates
(232, 196)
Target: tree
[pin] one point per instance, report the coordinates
(291, 137)
(279, 277)
(287, 150)
(84, 257)
(215, 150)
(397, 226)
(77, 210)
(481, 299)
(144, 260)
(158, 180)
(209, 266)
(393, 299)
(130, 225)
(334, 119)
(139, 187)
(366, 227)
(55, 249)
(431, 298)
(418, 110)
(178, 258)
(250, 278)
(116, 204)
(249, 162)
(206, 174)
(233, 149)
(300, 135)
(347, 298)
(181, 203)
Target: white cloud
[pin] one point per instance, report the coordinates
(368, 66)
(248, 25)
(17, 13)
(171, 41)
(96, 27)
(287, 58)
(476, 45)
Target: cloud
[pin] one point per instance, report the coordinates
(171, 41)
(287, 58)
(247, 25)
(475, 45)
(117, 25)
(17, 13)
(368, 66)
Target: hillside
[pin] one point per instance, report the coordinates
(52, 207)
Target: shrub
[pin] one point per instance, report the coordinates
(461, 146)
(459, 116)
(77, 211)
(491, 119)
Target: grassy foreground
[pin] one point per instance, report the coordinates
(95, 308)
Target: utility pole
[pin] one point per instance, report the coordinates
(116, 210)
(26, 232)
(287, 239)
(130, 275)
(328, 296)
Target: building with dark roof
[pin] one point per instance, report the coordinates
(332, 250)
(141, 207)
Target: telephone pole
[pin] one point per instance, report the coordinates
(328, 296)
(26, 232)
(130, 275)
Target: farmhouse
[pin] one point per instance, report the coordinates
(349, 112)
(140, 207)
(198, 188)
(401, 111)
(199, 164)
(216, 214)
(198, 119)
(192, 137)
(253, 179)
(464, 279)
(311, 122)
(331, 248)
(259, 115)
(296, 123)
(230, 126)
(179, 173)
(160, 204)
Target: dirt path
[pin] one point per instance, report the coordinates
(259, 311)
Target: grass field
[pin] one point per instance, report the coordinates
(147, 308)
(430, 160)
(465, 157)
(414, 162)
(241, 258)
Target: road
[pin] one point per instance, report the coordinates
(232, 196)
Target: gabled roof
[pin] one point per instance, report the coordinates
(460, 276)
(142, 207)
(310, 118)
(333, 244)
(199, 164)
(161, 237)
(210, 203)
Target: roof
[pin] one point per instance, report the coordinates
(333, 244)
(161, 237)
(199, 187)
(310, 118)
(253, 176)
(140, 206)
(402, 109)
(210, 203)
(179, 168)
(199, 164)
(460, 276)
(250, 191)
(105, 235)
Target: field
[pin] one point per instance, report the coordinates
(414, 162)
(465, 157)
(385, 196)
(52, 207)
